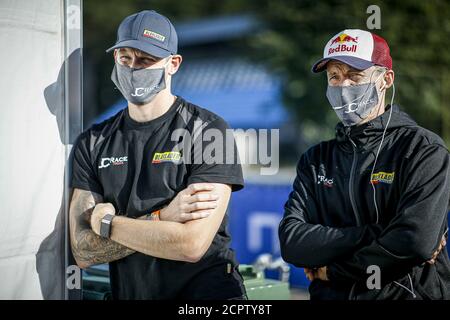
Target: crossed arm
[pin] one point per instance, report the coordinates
(195, 213)
(87, 247)
(413, 237)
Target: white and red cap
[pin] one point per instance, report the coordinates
(358, 48)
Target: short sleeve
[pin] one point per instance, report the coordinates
(83, 175)
(214, 156)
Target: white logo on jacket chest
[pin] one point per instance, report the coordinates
(327, 182)
(115, 161)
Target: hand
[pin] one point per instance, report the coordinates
(99, 212)
(309, 273)
(317, 273)
(439, 249)
(197, 201)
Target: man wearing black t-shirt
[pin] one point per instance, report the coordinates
(144, 200)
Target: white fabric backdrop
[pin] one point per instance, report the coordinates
(32, 156)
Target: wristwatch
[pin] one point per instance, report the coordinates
(105, 227)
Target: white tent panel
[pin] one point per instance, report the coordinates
(32, 154)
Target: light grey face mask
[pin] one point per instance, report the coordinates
(352, 104)
(138, 86)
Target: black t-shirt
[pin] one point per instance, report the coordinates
(133, 165)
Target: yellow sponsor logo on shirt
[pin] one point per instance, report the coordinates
(384, 177)
(169, 156)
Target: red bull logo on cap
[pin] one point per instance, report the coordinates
(341, 40)
(343, 37)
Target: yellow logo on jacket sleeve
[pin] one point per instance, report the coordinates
(169, 156)
(384, 177)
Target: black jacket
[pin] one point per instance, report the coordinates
(330, 217)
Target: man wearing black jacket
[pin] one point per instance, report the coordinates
(367, 217)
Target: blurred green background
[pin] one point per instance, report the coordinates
(290, 36)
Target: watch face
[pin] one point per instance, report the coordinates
(107, 218)
(105, 227)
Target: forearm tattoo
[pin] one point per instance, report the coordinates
(87, 247)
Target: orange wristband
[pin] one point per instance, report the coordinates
(155, 215)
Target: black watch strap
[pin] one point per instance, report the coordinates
(105, 227)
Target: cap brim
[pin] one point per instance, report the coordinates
(357, 63)
(145, 47)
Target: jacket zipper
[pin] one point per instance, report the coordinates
(351, 183)
(352, 201)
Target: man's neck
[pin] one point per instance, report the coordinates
(152, 110)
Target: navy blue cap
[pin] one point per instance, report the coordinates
(147, 31)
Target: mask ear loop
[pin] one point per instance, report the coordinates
(167, 62)
(385, 88)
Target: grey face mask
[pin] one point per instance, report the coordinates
(138, 86)
(352, 104)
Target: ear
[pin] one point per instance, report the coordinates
(174, 64)
(388, 78)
